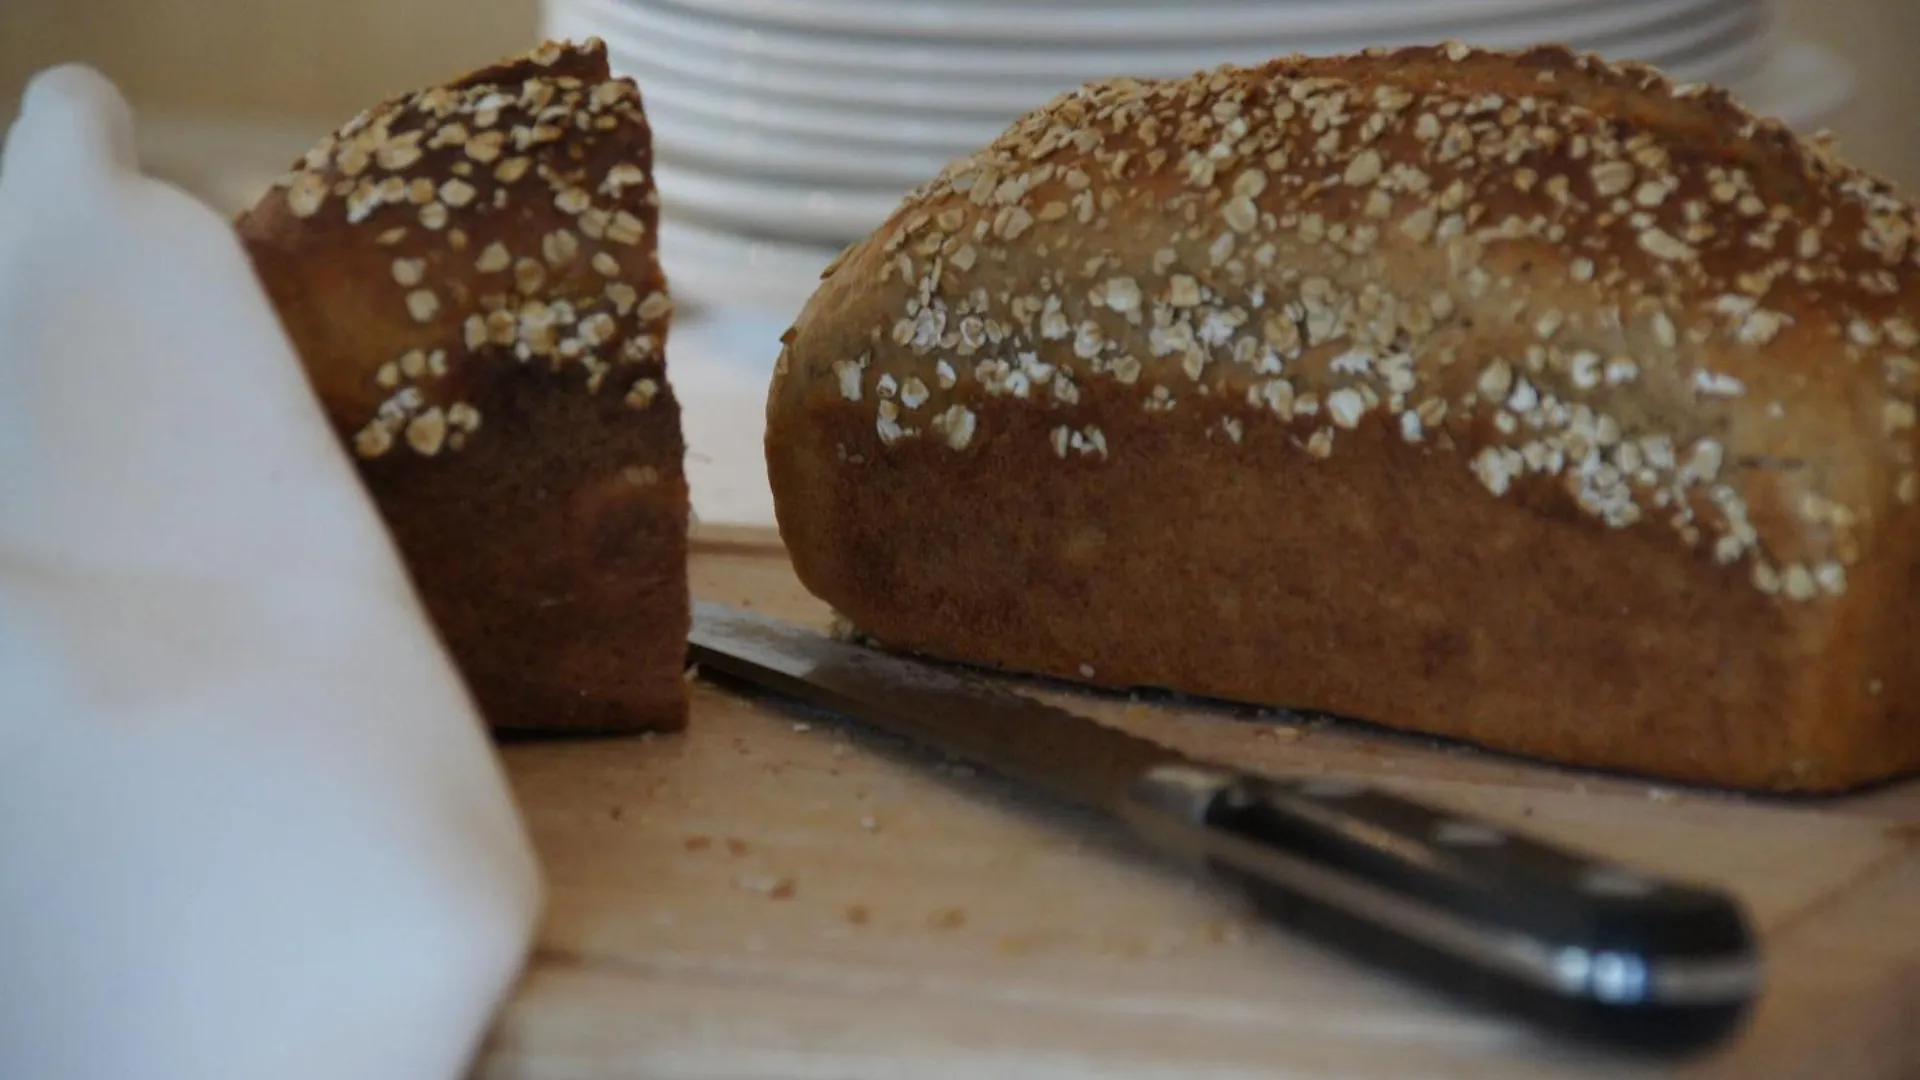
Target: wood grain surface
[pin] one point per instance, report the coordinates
(782, 895)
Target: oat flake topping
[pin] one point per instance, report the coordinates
(444, 181)
(1550, 295)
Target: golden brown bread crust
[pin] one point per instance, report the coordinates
(1513, 397)
(470, 276)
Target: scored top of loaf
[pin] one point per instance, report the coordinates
(1563, 271)
(507, 217)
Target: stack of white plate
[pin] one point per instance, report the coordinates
(785, 129)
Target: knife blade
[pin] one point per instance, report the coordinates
(1570, 943)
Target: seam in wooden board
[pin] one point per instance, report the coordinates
(508, 1055)
(1408, 1024)
(1905, 849)
(1879, 1004)
(749, 1062)
(722, 549)
(1898, 981)
(735, 540)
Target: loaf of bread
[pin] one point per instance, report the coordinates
(1515, 398)
(470, 276)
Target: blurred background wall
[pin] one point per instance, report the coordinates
(327, 60)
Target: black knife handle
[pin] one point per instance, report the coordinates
(1576, 945)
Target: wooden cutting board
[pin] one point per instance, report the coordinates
(777, 895)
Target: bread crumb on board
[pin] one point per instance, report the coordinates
(947, 919)
(771, 886)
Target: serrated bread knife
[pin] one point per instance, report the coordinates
(1574, 945)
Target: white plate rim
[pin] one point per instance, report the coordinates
(1714, 52)
(986, 100)
(773, 207)
(831, 162)
(718, 269)
(991, 98)
(930, 57)
(765, 114)
(1164, 24)
(778, 115)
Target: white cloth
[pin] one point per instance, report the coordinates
(250, 823)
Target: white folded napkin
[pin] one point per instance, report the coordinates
(250, 824)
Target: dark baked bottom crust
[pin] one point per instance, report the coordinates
(551, 554)
(1360, 585)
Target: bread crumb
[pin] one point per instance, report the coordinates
(773, 887)
(947, 919)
